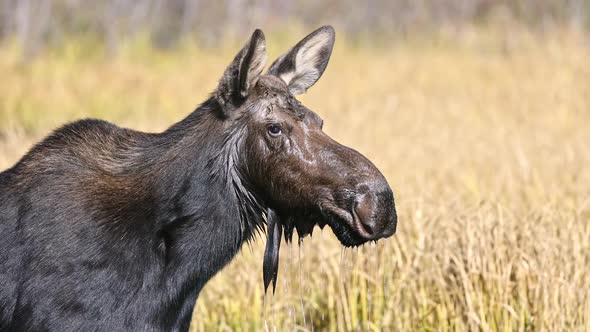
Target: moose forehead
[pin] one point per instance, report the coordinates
(277, 94)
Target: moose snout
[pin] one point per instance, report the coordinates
(374, 214)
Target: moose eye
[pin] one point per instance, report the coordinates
(275, 130)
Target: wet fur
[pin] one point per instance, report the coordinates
(106, 228)
(112, 228)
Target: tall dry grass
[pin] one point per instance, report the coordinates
(485, 141)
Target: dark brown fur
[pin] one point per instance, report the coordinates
(105, 228)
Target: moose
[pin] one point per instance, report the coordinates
(106, 228)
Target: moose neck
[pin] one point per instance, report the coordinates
(207, 209)
(206, 161)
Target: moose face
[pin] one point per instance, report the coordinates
(303, 176)
(307, 177)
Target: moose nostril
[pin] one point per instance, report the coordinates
(375, 215)
(365, 210)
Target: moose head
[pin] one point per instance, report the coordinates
(304, 177)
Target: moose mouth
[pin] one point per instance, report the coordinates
(353, 225)
(345, 224)
(304, 223)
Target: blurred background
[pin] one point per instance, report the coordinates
(476, 111)
(37, 24)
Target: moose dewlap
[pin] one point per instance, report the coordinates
(106, 228)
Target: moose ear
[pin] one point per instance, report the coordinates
(303, 65)
(243, 73)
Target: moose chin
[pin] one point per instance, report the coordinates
(106, 228)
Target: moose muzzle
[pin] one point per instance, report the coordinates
(374, 215)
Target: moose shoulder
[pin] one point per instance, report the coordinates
(105, 228)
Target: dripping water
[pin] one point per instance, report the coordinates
(301, 284)
(321, 262)
(287, 283)
(374, 268)
(264, 318)
(308, 286)
(265, 307)
(292, 305)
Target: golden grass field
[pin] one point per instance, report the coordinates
(484, 138)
